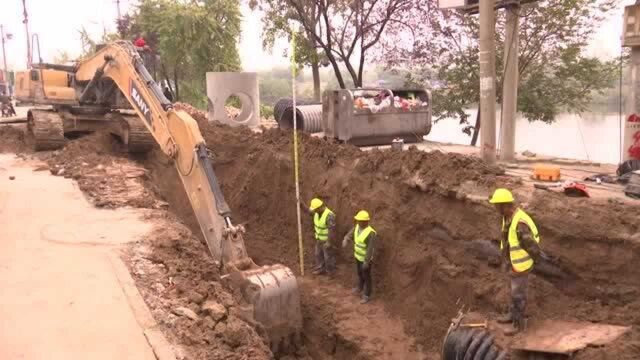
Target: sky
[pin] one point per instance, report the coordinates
(57, 23)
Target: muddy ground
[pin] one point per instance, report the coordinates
(427, 208)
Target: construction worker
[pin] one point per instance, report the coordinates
(364, 244)
(520, 248)
(324, 225)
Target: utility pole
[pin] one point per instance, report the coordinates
(26, 28)
(4, 56)
(487, 81)
(510, 86)
(118, 7)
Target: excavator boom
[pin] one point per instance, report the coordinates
(272, 290)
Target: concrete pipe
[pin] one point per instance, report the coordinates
(309, 116)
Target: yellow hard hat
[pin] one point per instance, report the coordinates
(315, 204)
(362, 215)
(501, 196)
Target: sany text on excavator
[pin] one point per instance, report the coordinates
(272, 290)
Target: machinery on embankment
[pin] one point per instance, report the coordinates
(89, 96)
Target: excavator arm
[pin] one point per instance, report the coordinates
(180, 139)
(271, 290)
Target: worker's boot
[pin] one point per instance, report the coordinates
(364, 300)
(319, 271)
(518, 325)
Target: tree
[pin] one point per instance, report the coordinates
(554, 73)
(346, 31)
(89, 44)
(276, 26)
(62, 57)
(192, 37)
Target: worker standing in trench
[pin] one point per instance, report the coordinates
(364, 244)
(520, 248)
(324, 226)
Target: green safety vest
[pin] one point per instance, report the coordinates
(360, 242)
(320, 225)
(520, 259)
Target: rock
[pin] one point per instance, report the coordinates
(225, 299)
(158, 287)
(220, 329)
(216, 310)
(60, 172)
(196, 297)
(235, 333)
(209, 322)
(528, 153)
(243, 312)
(183, 311)
(12, 177)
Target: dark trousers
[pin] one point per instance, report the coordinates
(325, 259)
(364, 278)
(519, 295)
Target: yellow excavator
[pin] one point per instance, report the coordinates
(63, 108)
(92, 94)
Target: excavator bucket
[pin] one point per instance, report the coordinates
(273, 292)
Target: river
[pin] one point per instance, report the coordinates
(589, 136)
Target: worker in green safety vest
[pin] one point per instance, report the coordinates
(520, 248)
(324, 228)
(364, 239)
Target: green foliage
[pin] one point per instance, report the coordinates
(89, 44)
(345, 31)
(192, 37)
(555, 75)
(266, 112)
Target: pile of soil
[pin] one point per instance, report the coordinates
(13, 139)
(196, 309)
(425, 269)
(103, 171)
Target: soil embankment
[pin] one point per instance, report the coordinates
(424, 210)
(428, 209)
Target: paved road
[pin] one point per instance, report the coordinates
(59, 296)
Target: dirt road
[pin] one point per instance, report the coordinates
(60, 296)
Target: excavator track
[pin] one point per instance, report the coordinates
(139, 139)
(47, 129)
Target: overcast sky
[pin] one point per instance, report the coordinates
(57, 22)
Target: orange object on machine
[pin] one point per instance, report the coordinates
(546, 173)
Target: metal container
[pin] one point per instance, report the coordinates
(341, 119)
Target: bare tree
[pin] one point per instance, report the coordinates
(345, 31)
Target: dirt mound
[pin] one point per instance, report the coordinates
(427, 208)
(182, 286)
(13, 139)
(201, 117)
(102, 171)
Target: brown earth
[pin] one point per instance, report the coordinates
(424, 270)
(13, 139)
(174, 271)
(428, 208)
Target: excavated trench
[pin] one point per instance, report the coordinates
(428, 265)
